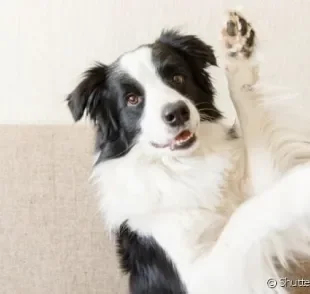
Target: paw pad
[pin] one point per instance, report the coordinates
(238, 36)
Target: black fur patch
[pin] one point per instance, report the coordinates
(173, 54)
(101, 95)
(150, 269)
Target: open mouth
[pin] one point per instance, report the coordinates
(183, 140)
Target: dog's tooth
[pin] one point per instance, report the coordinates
(180, 142)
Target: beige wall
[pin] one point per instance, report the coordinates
(46, 44)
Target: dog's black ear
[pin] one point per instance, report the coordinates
(85, 96)
(190, 47)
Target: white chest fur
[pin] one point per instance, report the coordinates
(172, 200)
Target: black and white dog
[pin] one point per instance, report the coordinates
(196, 206)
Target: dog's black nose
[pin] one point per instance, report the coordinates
(176, 114)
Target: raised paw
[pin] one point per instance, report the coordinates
(238, 36)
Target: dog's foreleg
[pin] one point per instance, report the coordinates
(256, 124)
(273, 224)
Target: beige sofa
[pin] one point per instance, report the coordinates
(52, 239)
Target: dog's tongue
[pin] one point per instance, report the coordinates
(183, 135)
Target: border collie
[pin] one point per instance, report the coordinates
(197, 206)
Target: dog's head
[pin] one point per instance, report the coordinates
(154, 96)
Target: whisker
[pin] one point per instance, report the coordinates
(203, 113)
(205, 102)
(209, 109)
(204, 116)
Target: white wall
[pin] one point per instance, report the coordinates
(46, 44)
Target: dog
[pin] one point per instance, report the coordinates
(197, 206)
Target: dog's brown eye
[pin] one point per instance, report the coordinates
(133, 99)
(178, 79)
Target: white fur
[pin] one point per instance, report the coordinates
(275, 223)
(172, 199)
(175, 199)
